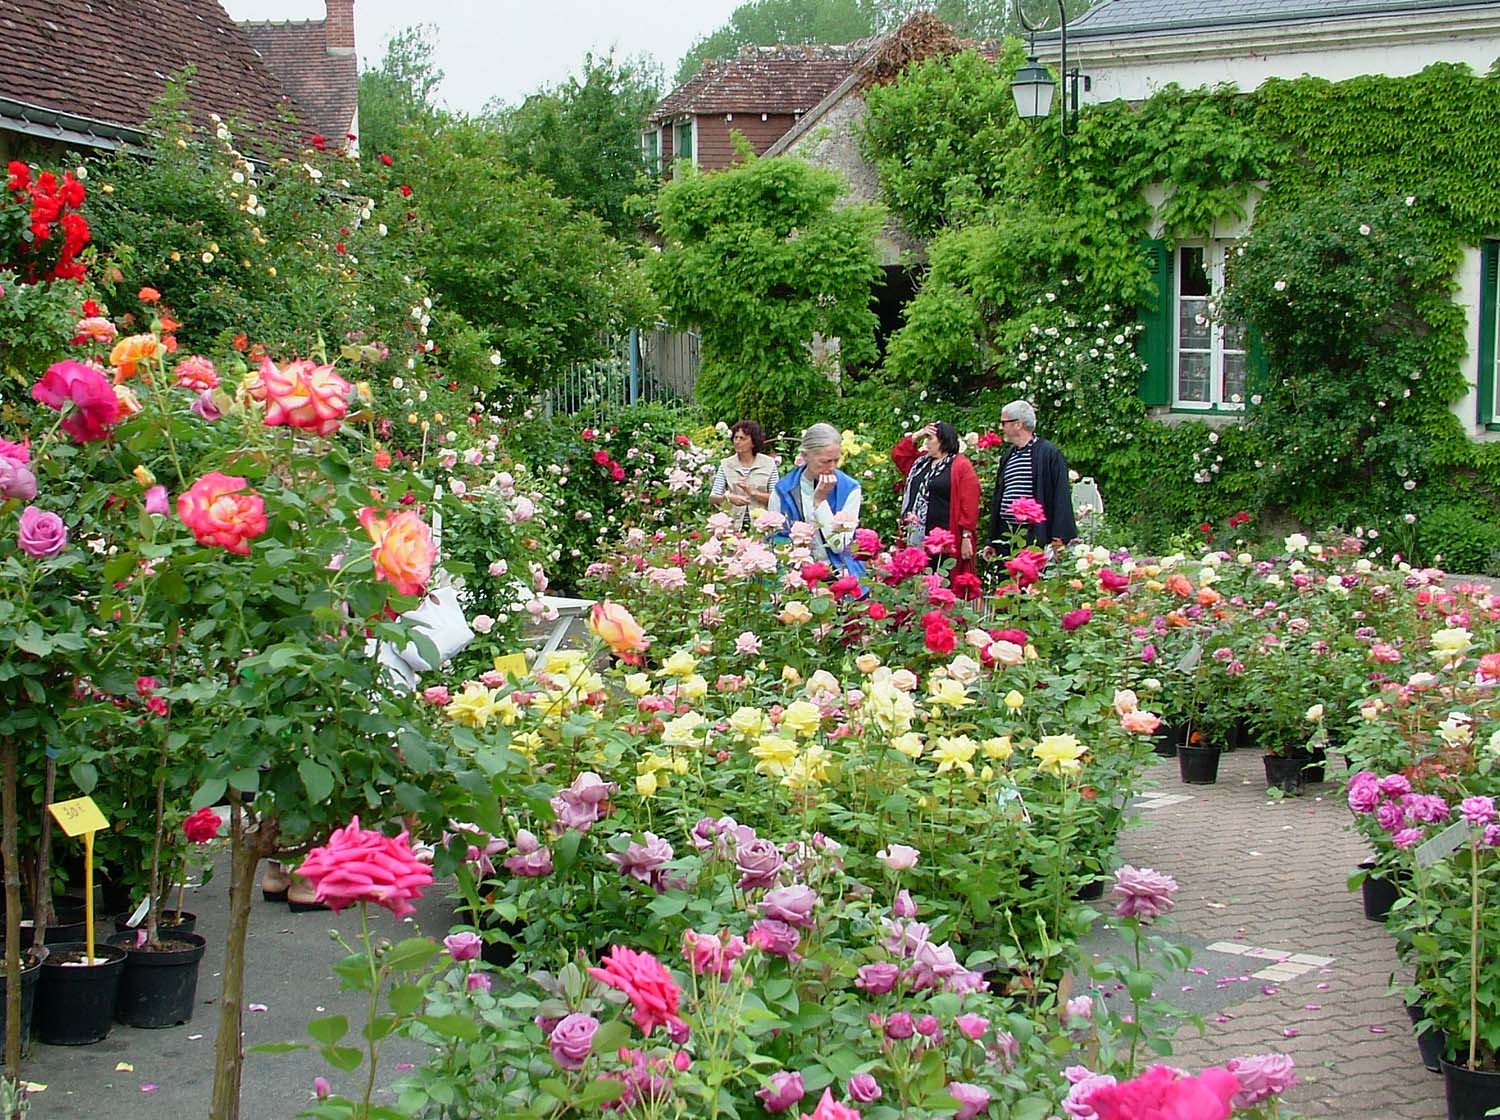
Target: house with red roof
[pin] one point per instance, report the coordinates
(760, 93)
(89, 76)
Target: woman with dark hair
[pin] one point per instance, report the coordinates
(744, 480)
(941, 492)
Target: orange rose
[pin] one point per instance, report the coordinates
(129, 353)
(130, 404)
(617, 628)
(95, 328)
(403, 552)
(1179, 585)
(1140, 723)
(1207, 596)
(302, 395)
(148, 295)
(218, 514)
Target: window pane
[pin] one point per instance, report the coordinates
(1193, 377)
(1192, 324)
(1192, 277)
(1234, 336)
(1234, 377)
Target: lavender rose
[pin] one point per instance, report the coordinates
(16, 480)
(793, 905)
(42, 533)
(572, 1040)
(758, 863)
(463, 946)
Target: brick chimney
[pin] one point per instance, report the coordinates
(339, 28)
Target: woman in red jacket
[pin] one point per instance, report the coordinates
(941, 491)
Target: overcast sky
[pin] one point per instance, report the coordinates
(508, 48)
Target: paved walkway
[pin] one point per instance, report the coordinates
(1256, 874)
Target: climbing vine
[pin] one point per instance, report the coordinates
(1317, 160)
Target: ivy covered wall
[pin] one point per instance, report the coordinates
(1370, 194)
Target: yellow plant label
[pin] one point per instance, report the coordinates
(78, 816)
(512, 665)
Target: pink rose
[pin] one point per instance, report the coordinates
(41, 533)
(362, 865)
(95, 410)
(463, 946)
(793, 905)
(572, 1040)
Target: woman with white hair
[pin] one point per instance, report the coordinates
(823, 497)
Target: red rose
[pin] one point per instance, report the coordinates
(202, 826)
(877, 612)
(385, 159)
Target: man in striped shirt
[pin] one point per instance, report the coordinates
(1030, 467)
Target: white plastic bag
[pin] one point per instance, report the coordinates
(440, 619)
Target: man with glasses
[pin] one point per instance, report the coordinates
(1030, 467)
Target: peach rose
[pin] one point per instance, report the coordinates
(129, 353)
(1179, 585)
(197, 374)
(302, 395)
(1140, 722)
(218, 514)
(617, 628)
(403, 552)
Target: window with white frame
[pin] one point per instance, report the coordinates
(1209, 360)
(682, 141)
(651, 150)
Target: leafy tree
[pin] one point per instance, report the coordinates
(399, 91)
(760, 258)
(584, 135)
(542, 284)
(766, 23)
(943, 136)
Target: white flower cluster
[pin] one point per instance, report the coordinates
(1081, 368)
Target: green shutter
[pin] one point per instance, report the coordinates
(1489, 266)
(1257, 371)
(1156, 316)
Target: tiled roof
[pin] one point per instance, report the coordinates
(323, 84)
(1118, 17)
(109, 60)
(784, 79)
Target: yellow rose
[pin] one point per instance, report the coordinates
(773, 754)
(747, 722)
(1155, 585)
(475, 706)
(683, 730)
(955, 753)
(891, 708)
(998, 748)
(616, 628)
(1014, 700)
(1059, 754)
(802, 718)
(947, 692)
(680, 664)
(790, 675)
(143, 475)
(527, 744)
(637, 684)
(646, 784)
(822, 681)
(795, 612)
(693, 688)
(910, 744)
(987, 774)
(867, 663)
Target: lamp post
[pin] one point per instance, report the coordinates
(1033, 87)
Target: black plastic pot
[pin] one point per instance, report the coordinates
(1198, 766)
(31, 972)
(1238, 738)
(158, 988)
(1285, 771)
(1164, 741)
(1091, 891)
(172, 924)
(1432, 1042)
(1378, 892)
(1315, 765)
(1471, 1092)
(75, 1003)
(57, 934)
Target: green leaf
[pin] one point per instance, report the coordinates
(317, 779)
(345, 1058)
(405, 998)
(1140, 983)
(85, 776)
(599, 1092)
(411, 954)
(209, 793)
(666, 905)
(378, 1027)
(459, 1027)
(275, 1047)
(329, 1029)
(611, 1036)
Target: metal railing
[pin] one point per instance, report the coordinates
(659, 365)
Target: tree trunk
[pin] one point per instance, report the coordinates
(229, 1054)
(12, 915)
(41, 902)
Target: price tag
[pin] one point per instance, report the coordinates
(512, 665)
(1444, 843)
(78, 816)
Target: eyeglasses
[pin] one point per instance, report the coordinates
(1008, 420)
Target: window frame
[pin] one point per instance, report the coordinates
(691, 125)
(1215, 253)
(1487, 364)
(651, 142)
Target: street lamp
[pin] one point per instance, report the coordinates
(1033, 87)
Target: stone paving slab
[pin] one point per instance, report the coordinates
(1262, 892)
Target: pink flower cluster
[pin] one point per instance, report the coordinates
(1397, 809)
(708, 953)
(584, 802)
(362, 865)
